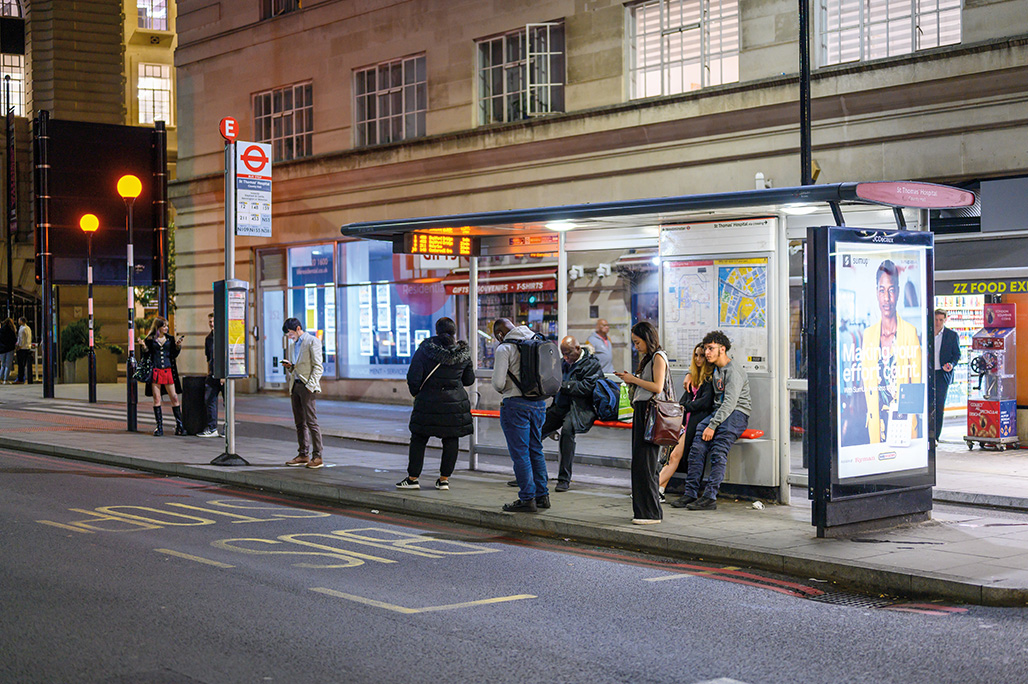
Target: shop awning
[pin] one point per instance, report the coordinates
(537, 279)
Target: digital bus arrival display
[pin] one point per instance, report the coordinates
(441, 245)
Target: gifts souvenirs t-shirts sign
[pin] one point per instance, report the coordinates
(882, 375)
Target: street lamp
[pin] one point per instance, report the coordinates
(89, 223)
(129, 188)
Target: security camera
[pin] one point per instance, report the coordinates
(603, 270)
(576, 272)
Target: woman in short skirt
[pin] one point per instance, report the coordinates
(162, 351)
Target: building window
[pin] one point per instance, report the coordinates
(858, 30)
(10, 8)
(390, 101)
(154, 93)
(521, 74)
(153, 14)
(284, 117)
(273, 8)
(14, 66)
(680, 45)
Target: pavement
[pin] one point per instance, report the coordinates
(973, 555)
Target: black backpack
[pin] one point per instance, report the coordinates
(540, 368)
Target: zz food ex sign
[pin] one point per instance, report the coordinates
(253, 189)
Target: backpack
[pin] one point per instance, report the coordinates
(540, 371)
(606, 396)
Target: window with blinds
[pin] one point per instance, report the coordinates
(521, 73)
(680, 45)
(859, 30)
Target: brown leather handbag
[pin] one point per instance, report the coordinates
(664, 416)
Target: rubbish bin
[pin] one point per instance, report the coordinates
(194, 413)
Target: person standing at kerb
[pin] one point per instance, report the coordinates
(212, 386)
(306, 369)
(947, 355)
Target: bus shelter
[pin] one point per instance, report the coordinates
(731, 261)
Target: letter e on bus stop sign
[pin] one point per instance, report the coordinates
(229, 129)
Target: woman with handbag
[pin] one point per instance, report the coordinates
(439, 371)
(698, 402)
(161, 352)
(650, 380)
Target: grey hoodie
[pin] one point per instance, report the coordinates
(507, 357)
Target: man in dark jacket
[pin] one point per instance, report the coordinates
(212, 385)
(572, 409)
(947, 355)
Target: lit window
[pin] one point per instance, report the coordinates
(858, 30)
(390, 101)
(273, 8)
(10, 8)
(521, 74)
(284, 117)
(14, 66)
(680, 45)
(153, 14)
(154, 93)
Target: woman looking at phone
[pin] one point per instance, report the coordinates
(162, 351)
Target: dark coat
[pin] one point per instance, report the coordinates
(8, 338)
(150, 349)
(441, 405)
(698, 406)
(576, 390)
(949, 352)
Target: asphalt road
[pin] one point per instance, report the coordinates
(115, 576)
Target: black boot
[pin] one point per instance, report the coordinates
(179, 428)
(159, 432)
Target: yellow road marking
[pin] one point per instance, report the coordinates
(665, 578)
(63, 526)
(198, 559)
(411, 611)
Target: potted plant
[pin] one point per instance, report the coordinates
(75, 353)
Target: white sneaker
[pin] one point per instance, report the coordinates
(208, 433)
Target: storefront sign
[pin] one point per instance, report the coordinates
(539, 285)
(982, 287)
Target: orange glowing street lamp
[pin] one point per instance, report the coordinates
(129, 188)
(89, 223)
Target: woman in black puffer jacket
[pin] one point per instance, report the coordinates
(439, 372)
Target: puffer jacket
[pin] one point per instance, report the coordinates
(441, 406)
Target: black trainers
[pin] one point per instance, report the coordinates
(683, 501)
(442, 484)
(562, 487)
(542, 501)
(520, 506)
(703, 504)
(512, 483)
(407, 483)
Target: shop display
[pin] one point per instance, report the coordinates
(992, 381)
(965, 316)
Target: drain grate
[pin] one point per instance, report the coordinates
(853, 600)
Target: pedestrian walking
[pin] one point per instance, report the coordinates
(439, 371)
(305, 369)
(8, 342)
(212, 386)
(23, 352)
(161, 351)
(647, 382)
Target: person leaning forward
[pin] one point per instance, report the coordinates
(306, 371)
(572, 410)
(521, 420)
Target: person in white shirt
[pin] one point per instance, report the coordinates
(23, 352)
(602, 348)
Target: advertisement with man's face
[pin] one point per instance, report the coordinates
(882, 374)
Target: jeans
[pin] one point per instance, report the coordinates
(645, 483)
(522, 423)
(560, 419)
(416, 455)
(210, 400)
(724, 437)
(6, 364)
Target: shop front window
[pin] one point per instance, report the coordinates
(312, 296)
(386, 310)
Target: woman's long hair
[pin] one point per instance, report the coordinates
(157, 324)
(446, 331)
(9, 323)
(700, 374)
(647, 332)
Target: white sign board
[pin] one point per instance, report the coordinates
(253, 189)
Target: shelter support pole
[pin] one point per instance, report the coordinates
(779, 352)
(473, 341)
(562, 286)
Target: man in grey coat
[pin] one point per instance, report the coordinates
(306, 368)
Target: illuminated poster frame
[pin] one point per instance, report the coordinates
(869, 328)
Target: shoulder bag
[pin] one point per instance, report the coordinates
(664, 415)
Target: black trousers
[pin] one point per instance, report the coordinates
(941, 389)
(560, 419)
(416, 456)
(645, 484)
(24, 359)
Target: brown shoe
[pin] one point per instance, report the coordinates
(298, 461)
(316, 463)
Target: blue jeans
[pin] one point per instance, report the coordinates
(724, 437)
(522, 424)
(6, 364)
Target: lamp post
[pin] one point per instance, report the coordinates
(89, 223)
(129, 188)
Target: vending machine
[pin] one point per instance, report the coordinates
(992, 381)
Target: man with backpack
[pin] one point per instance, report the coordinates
(572, 410)
(522, 375)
